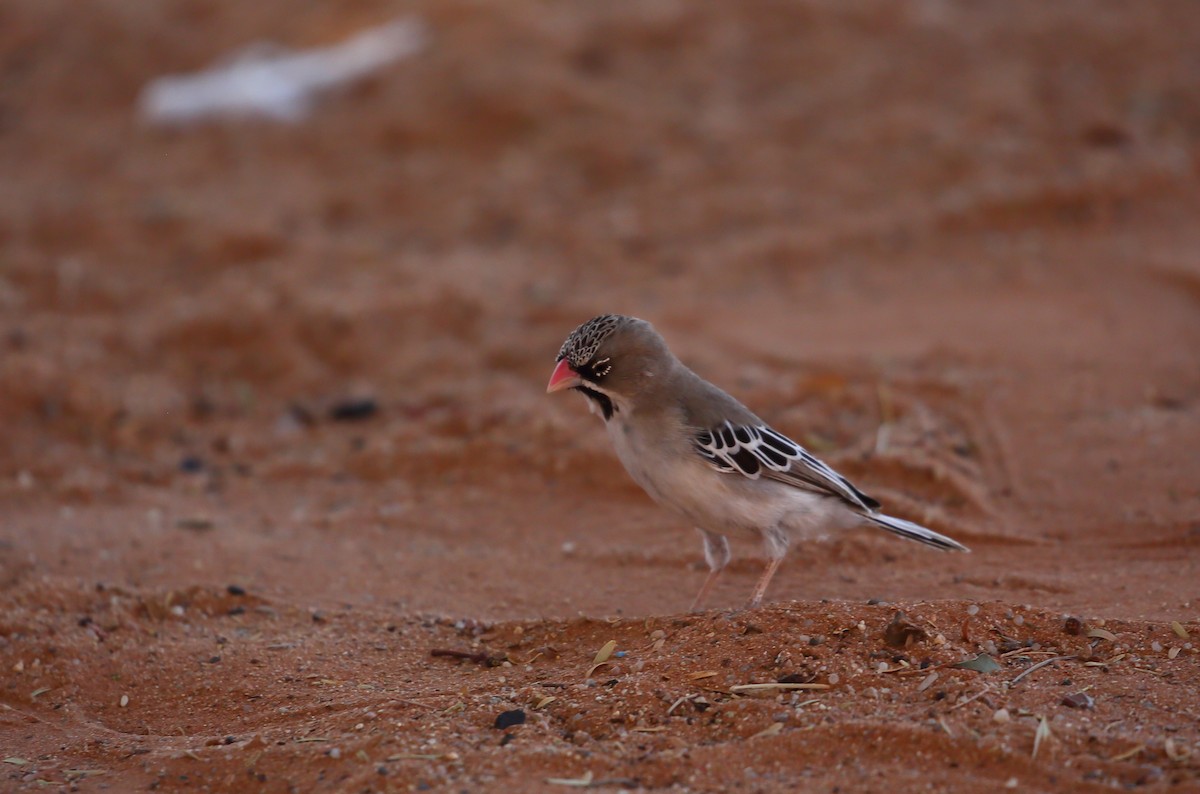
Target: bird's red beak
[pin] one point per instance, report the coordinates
(563, 378)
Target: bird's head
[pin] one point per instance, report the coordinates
(612, 359)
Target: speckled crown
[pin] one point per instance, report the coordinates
(585, 340)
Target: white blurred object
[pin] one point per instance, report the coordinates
(268, 81)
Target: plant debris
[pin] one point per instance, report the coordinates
(602, 657)
(760, 687)
(1042, 734)
(1040, 665)
(773, 729)
(983, 663)
(580, 782)
(903, 633)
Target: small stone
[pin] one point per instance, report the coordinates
(1079, 700)
(235, 590)
(973, 609)
(507, 719)
(1001, 716)
(354, 410)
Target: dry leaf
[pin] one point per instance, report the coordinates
(602, 657)
(757, 687)
(1175, 752)
(770, 730)
(704, 674)
(1043, 733)
(980, 664)
(1179, 630)
(605, 652)
(1102, 634)
(582, 782)
(1130, 753)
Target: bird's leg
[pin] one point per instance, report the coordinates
(716, 554)
(776, 542)
(760, 589)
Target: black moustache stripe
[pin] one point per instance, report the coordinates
(606, 405)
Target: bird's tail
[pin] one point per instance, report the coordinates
(911, 531)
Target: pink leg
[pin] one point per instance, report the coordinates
(705, 589)
(761, 588)
(716, 552)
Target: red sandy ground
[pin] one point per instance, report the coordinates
(953, 248)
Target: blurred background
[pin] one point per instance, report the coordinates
(952, 247)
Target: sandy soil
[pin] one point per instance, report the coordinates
(953, 249)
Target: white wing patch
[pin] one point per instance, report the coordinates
(756, 450)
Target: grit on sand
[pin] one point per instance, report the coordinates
(274, 430)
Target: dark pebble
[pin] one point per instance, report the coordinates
(191, 465)
(230, 739)
(354, 410)
(1079, 700)
(235, 590)
(238, 610)
(507, 719)
(214, 660)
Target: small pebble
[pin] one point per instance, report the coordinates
(507, 719)
(124, 701)
(354, 410)
(1079, 700)
(335, 752)
(973, 609)
(1001, 716)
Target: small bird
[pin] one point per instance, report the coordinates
(702, 454)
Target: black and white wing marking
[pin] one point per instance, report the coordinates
(758, 451)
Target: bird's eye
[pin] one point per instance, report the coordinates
(600, 368)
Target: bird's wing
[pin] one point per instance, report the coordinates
(755, 450)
